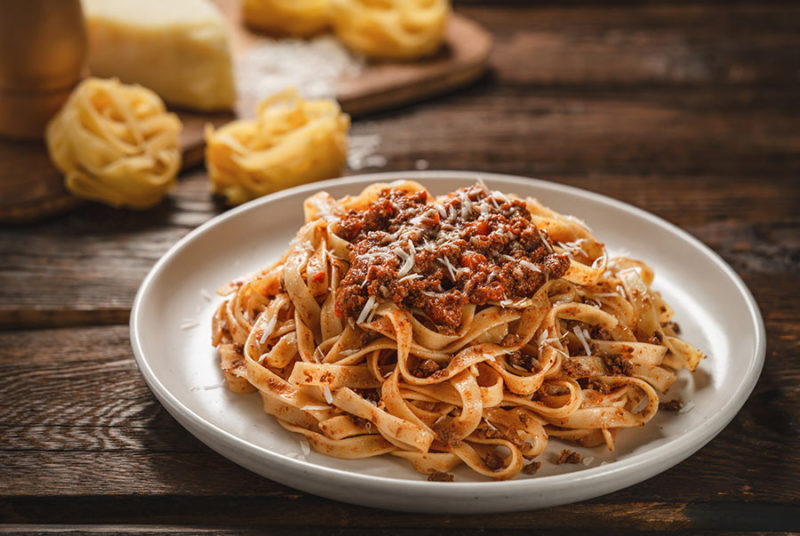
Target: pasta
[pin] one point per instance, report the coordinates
(391, 29)
(466, 329)
(300, 18)
(291, 141)
(116, 143)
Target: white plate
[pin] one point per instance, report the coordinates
(171, 334)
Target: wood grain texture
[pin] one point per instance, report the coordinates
(686, 109)
(31, 188)
(731, 157)
(646, 43)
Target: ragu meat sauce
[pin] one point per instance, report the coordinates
(475, 246)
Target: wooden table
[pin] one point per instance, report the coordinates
(688, 110)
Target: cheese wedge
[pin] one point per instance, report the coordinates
(178, 48)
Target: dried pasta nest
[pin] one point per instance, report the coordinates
(116, 143)
(391, 29)
(291, 141)
(300, 18)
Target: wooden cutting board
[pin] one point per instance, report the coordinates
(32, 189)
(380, 86)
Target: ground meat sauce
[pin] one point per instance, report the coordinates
(568, 456)
(474, 246)
(672, 405)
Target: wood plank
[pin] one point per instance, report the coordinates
(248, 512)
(548, 133)
(189, 530)
(732, 156)
(645, 43)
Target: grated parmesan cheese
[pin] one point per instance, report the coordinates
(543, 337)
(502, 196)
(582, 339)
(545, 241)
(587, 335)
(466, 204)
(449, 265)
(328, 395)
(408, 264)
(529, 265)
(578, 221)
(518, 367)
(315, 408)
(313, 67)
(451, 213)
(268, 329)
(441, 418)
(368, 307)
(361, 151)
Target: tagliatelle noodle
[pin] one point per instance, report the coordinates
(115, 143)
(391, 29)
(301, 18)
(580, 359)
(291, 141)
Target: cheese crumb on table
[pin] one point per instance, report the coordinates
(312, 66)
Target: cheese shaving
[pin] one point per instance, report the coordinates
(529, 265)
(582, 339)
(449, 265)
(268, 329)
(315, 408)
(365, 312)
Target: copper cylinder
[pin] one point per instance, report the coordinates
(42, 56)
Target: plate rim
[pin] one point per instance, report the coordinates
(634, 469)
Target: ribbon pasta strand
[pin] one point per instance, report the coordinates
(578, 347)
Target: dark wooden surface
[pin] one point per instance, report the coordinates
(690, 110)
